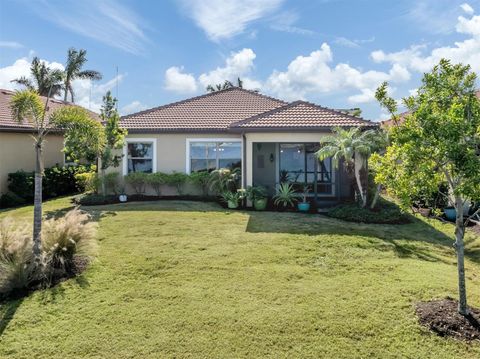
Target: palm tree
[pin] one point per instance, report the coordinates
(26, 106)
(73, 70)
(44, 79)
(226, 85)
(347, 145)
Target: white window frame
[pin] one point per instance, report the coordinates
(190, 140)
(139, 140)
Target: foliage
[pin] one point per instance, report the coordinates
(438, 142)
(226, 85)
(112, 182)
(57, 181)
(66, 237)
(305, 193)
(93, 199)
(73, 70)
(233, 197)
(224, 179)
(254, 193)
(87, 181)
(285, 195)
(45, 80)
(201, 180)
(177, 180)
(137, 180)
(385, 213)
(10, 199)
(16, 257)
(156, 180)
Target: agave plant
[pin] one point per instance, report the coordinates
(285, 196)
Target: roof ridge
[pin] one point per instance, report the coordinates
(176, 103)
(263, 114)
(357, 118)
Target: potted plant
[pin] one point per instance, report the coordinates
(258, 196)
(123, 196)
(285, 196)
(304, 206)
(232, 199)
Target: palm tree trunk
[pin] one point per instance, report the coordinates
(358, 178)
(377, 195)
(104, 186)
(459, 247)
(37, 206)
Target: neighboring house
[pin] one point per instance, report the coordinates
(272, 141)
(16, 142)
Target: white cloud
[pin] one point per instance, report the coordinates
(313, 74)
(285, 22)
(433, 16)
(354, 44)
(223, 19)
(89, 94)
(177, 81)
(132, 107)
(467, 8)
(21, 67)
(11, 44)
(417, 59)
(106, 21)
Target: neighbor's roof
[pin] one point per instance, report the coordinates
(301, 115)
(7, 123)
(234, 109)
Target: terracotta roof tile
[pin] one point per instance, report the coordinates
(215, 111)
(8, 123)
(301, 115)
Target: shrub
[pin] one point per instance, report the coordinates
(385, 213)
(87, 182)
(16, 258)
(137, 180)
(285, 196)
(201, 180)
(177, 180)
(93, 199)
(10, 199)
(156, 180)
(67, 237)
(223, 180)
(21, 183)
(112, 182)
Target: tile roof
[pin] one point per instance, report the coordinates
(8, 123)
(215, 111)
(301, 115)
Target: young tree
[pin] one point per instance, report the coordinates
(73, 70)
(45, 81)
(439, 141)
(348, 144)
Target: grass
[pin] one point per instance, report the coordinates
(191, 280)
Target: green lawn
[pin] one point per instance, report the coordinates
(186, 279)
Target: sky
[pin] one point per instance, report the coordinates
(331, 52)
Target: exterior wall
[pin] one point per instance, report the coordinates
(17, 153)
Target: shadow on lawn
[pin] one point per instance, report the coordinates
(7, 312)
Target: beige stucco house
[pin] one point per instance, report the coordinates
(16, 142)
(272, 141)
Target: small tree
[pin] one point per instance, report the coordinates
(438, 141)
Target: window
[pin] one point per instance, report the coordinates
(209, 155)
(140, 156)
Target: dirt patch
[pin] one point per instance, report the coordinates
(442, 317)
(476, 229)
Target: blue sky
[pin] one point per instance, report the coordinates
(334, 53)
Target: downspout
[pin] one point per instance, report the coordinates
(244, 164)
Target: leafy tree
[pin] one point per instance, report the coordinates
(226, 85)
(73, 70)
(347, 144)
(438, 141)
(45, 81)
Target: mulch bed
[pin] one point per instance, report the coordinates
(442, 317)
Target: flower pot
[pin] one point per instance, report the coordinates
(232, 204)
(425, 212)
(303, 206)
(260, 204)
(123, 198)
(450, 213)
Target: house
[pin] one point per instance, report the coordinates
(272, 141)
(16, 142)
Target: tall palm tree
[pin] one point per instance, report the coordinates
(73, 70)
(348, 144)
(226, 85)
(44, 79)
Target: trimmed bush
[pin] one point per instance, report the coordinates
(177, 180)
(112, 182)
(87, 182)
(385, 213)
(93, 199)
(201, 180)
(10, 199)
(156, 180)
(137, 180)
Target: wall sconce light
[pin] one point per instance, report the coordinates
(272, 158)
